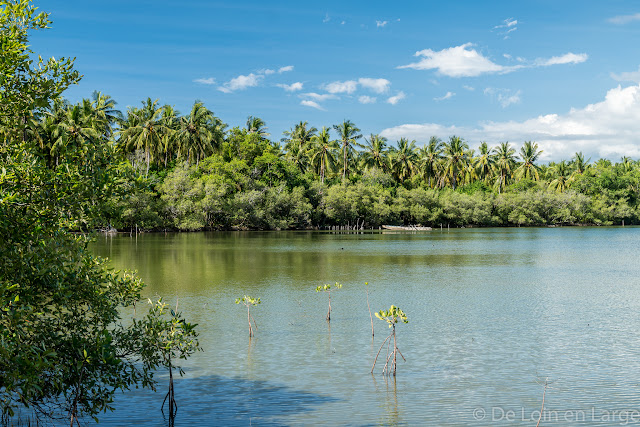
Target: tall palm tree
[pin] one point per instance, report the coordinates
(455, 159)
(579, 163)
(405, 159)
(348, 136)
(144, 130)
(74, 132)
(375, 153)
(195, 138)
(297, 144)
(323, 151)
(257, 125)
(430, 156)
(505, 164)
(484, 162)
(563, 177)
(529, 154)
(104, 113)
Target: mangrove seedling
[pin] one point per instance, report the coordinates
(327, 288)
(391, 316)
(249, 302)
(366, 288)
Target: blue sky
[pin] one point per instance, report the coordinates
(562, 73)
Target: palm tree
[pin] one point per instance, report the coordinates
(579, 163)
(348, 136)
(505, 162)
(171, 121)
(74, 132)
(196, 137)
(296, 144)
(405, 159)
(144, 130)
(563, 176)
(105, 113)
(257, 125)
(529, 154)
(455, 159)
(322, 151)
(485, 162)
(375, 154)
(430, 156)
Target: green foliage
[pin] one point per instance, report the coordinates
(248, 301)
(64, 347)
(392, 316)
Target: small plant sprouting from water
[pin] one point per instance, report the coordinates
(391, 316)
(249, 302)
(327, 288)
(366, 288)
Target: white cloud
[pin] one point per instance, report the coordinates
(312, 104)
(464, 61)
(380, 24)
(506, 55)
(627, 76)
(326, 18)
(448, 95)
(393, 100)
(267, 71)
(364, 99)
(348, 86)
(469, 88)
(207, 81)
(507, 23)
(624, 19)
(567, 58)
(607, 129)
(241, 83)
(318, 96)
(285, 69)
(292, 87)
(376, 85)
(509, 26)
(504, 96)
(343, 22)
(459, 61)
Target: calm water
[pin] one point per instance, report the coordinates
(492, 312)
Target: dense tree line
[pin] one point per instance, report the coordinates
(191, 172)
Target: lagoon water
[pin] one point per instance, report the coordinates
(493, 313)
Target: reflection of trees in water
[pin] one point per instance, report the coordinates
(392, 415)
(218, 400)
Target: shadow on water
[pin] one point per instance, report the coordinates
(216, 400)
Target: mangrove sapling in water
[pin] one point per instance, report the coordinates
(366, 288)
(327, 288)
(391, 316)
(249, 302)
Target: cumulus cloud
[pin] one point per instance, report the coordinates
(504, 96)
(605, 129)
(267, 71)
(285, 69)
(445, 96)
(241, 82)
(348, 87)
(312, 104)
(393, 100)
(628, 76)
(464, 61)
(469, 88)
(364, 99)
(292, 87)
(458, 61)
(624, 19)
(376, 85)
(380, 24)
(567, 58)
(207, 81)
